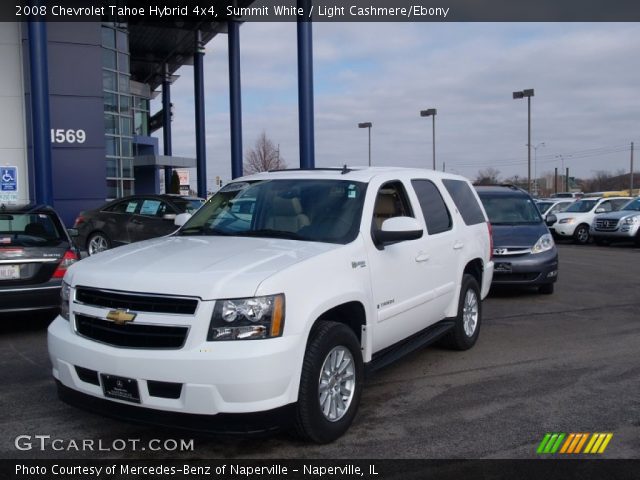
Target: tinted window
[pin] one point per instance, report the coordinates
(152, 208)
(633, 205)
(128, 206)
(435, 211)
(619, 203)
(465, 200)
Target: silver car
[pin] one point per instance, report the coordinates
(621, 225)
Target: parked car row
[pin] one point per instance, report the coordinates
(575, 222)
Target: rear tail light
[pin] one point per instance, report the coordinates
(79, 221)
(68, 259)
(490, 241)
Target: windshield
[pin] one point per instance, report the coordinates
(582, 206)
(633, 205)
(313, 210)
(510, 210)
(544, 206)
(30, 230)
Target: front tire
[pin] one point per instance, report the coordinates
(465, 333)
(331, 383)
(581, 235)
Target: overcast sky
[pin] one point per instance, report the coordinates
(585, 76)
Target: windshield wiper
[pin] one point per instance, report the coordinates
(267, 232)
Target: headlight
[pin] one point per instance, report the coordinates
(544, 243)
(630, 220)
(247, 318)
(65, 296)
(567, 220)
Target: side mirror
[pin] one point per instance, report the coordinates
(398, 229)
(169, 216)
(73, 232)
(550, 219)
(601, 210)
(181, 219)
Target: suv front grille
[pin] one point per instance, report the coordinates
(136, 301)
(606, 224)
(131, 335)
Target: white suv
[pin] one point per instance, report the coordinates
(274, 298)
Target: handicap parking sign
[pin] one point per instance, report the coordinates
(8, 179)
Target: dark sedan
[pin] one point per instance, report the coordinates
(131, 219)
(35, 252)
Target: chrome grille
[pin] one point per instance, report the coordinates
(606, 224)
(138, 302)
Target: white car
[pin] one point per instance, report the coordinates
(553, 206)
(622, 225)
(576, 220)
(277, 308)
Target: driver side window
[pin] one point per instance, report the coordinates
(391, 201)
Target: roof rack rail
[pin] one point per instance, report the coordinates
(344, 169)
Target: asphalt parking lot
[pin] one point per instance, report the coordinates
(566, 362)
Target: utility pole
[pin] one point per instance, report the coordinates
(566, 181)
(555, 181)
(631, 173)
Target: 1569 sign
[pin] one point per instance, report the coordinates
(61, 135)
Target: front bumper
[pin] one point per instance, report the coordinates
(622, 233)
(528, 269)
(563, 229)
(26, 298)
(216, 377)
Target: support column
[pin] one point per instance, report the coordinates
(305, 88)
(40, 119)
(198, 90)
(166, 125)
(235, 98)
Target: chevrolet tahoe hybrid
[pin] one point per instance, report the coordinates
(269, 304)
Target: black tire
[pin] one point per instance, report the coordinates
(581, 234)
(458, 338)
(97, 238)
(546, 289)
(311, 423)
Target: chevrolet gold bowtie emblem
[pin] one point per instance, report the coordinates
(120, 317)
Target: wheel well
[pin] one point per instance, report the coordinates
(475, 269)
(351, 314)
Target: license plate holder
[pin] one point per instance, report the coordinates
(9, 272)
(120, 388)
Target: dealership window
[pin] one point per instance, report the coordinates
(118, 111)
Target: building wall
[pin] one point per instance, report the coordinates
(13, 147)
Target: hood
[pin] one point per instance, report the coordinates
(524, 236)
(617, 215)
(205, 267)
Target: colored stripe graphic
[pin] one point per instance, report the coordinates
(573, 443)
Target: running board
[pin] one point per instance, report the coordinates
(425, 337)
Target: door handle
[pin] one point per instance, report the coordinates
(458, 245)
(423, 257)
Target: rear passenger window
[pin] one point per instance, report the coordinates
(465, 201)
(435, 211)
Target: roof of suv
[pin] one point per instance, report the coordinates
(506, 190)
(357, 174)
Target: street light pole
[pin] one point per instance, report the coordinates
(527, 94)
(367, 125)
(535, 163)
(431, 112)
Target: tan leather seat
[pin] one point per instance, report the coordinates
(385, 208)
(289, 216)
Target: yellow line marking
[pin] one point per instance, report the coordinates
(598, 442)
(605, 443)
(591, 442)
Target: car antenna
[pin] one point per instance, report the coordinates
(345, 170)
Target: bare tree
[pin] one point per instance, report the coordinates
(264, 156)
(488, 176)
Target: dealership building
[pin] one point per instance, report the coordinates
(76, 128)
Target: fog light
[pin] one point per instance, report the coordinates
(552, 274)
